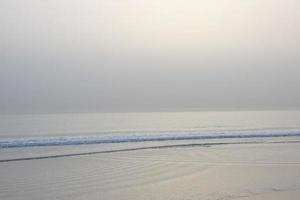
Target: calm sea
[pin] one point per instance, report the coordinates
(86, 128)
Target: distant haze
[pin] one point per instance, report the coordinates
(148, 55)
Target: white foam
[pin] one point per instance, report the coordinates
(100, 139)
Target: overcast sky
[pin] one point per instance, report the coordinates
(148, 55)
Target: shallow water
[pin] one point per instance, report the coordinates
(233, 171)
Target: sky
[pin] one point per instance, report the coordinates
(148, 55)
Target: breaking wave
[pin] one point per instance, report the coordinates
(104, 139)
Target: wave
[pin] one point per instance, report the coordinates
(106, 139)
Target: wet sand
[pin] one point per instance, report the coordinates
(225, 171)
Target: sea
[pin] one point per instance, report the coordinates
(150, 155)
(47, 130)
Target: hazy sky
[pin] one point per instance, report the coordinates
(134, 55)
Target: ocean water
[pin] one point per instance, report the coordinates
(170, 155)
(18, 131)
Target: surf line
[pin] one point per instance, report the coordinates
(63, 141)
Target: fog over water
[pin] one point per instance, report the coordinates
(111, 56)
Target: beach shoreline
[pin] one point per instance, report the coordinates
(268, 169)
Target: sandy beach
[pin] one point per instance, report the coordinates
(251, 170)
